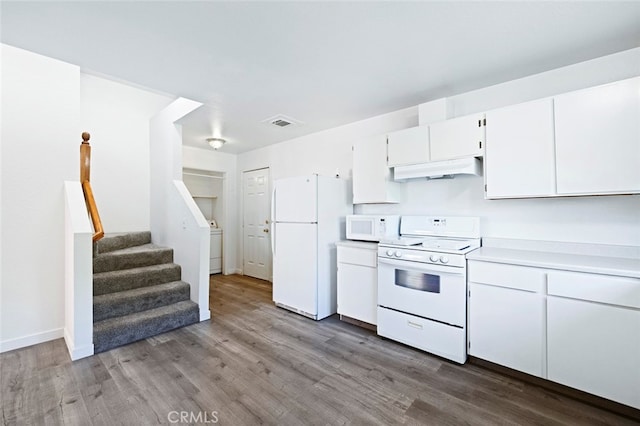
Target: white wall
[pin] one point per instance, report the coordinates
(176, 220)
(40, 150)
(78, 292)
(215, 161)
(609, 220)
(117, 116)
(46, 104)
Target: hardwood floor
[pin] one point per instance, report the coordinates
(254, 363)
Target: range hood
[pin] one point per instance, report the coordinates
(439, 169)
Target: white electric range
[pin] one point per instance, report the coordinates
(422, 284)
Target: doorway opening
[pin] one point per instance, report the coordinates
(208, 190)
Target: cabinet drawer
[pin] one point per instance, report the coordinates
(446, 341)
(358, 256)
(620, 291)
(510, 276)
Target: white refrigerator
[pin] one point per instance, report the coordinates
(308, 218)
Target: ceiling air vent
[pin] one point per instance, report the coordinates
(281, 123)
(281, 120)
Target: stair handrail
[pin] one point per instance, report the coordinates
(85, 181)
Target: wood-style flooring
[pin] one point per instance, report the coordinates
(254, 364)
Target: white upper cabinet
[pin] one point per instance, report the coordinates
(457, 138)
(408, 146)
(519, 152)
(598, 139)
(372, 180)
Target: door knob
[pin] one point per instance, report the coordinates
(265, 230)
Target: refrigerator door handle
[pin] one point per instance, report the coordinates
(273, 221)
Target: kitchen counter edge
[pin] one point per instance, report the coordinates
(617, 266)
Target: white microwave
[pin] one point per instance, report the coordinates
(372, 227)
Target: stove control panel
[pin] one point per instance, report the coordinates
(422, 256)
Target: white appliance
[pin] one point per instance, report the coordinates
(422, 284)
(308, 218)
(372, 227)
(439, 169)
(215, 251)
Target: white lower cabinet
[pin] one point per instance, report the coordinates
(506, 316)
(358, 281)
(593, 334)
(578, 329)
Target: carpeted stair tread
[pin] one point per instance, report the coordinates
(132, 257)
(113, 332)
(127, 302)
(112, 242)
(129, 279)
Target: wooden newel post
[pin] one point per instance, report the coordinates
(85, 158)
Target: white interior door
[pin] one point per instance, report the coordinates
(255, 226)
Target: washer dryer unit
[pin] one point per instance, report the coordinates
(215, 251)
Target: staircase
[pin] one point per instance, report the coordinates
(137, 291)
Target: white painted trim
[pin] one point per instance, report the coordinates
(78, 275)
(30, 340)
(205, 314)
(79, 352)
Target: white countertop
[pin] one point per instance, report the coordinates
(371, 245)
(620, 266)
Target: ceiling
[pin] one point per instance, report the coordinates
(324, 64)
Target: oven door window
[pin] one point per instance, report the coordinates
(417, 280)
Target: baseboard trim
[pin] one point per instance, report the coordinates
(359, 323)
(79, 352)
(30, 340)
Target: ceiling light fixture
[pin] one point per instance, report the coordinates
(216, 143)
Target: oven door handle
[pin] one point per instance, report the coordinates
(422, 267)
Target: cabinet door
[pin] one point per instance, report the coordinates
(456, 138)
(371, 176)
(408, 146)
(595, 348)
(519, 155)
(358, 292)
(506, 326)
(598, 139)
